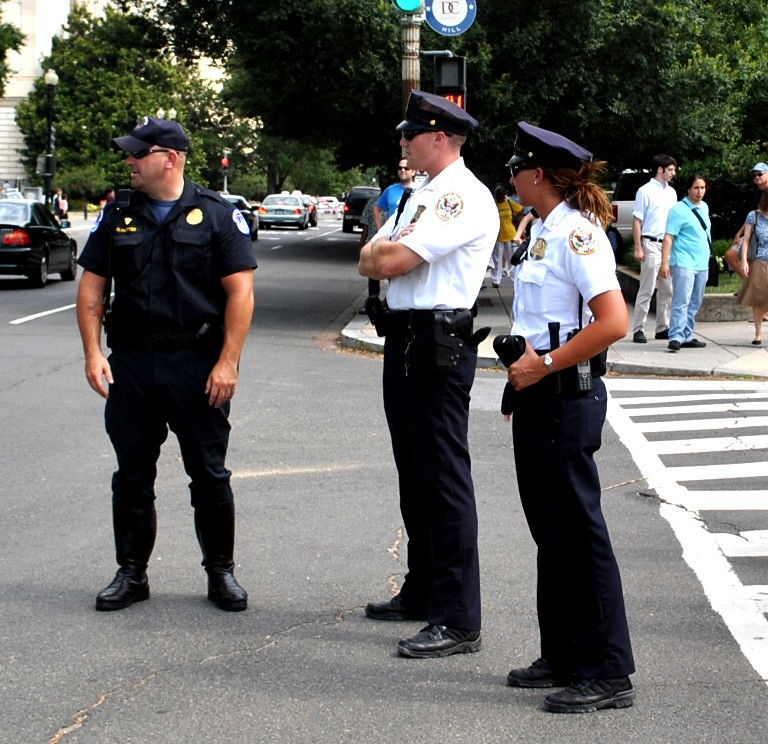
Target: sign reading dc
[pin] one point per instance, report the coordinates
(450, 17)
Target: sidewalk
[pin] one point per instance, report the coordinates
(729, 351)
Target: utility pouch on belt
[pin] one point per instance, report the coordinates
(508, 349)
(376, 310)
(449, 332)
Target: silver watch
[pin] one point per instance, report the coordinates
(549, 364)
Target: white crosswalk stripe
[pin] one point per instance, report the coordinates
(691, 409)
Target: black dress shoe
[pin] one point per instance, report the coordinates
(639, 338)
(673, 346)
(538, 674)
(662, 335)
(127, 587)
(434, 641)
(694, 343)
(224, 591)
(587, 695)
(393, 610)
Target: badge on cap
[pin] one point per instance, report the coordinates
(538, 250)
(195, 217)
(449, 206)
(239, 220)
(582, 241)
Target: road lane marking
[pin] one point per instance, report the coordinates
(19, 321)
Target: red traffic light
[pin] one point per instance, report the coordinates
(225, 162)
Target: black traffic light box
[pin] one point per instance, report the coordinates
(451, 79)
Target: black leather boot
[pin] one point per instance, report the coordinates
(215, 527)
(135, 530)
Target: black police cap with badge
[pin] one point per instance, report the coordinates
(536, 146)
(152, 132)
(430, 112)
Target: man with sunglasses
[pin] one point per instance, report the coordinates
(435, 254)
(182, 262)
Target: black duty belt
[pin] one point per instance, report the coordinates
(206, 336)
(416, 320)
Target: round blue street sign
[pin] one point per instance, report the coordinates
(450, 17)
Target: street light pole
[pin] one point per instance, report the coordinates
(51, 81)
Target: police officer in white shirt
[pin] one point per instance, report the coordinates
(569, 308)
(649, 218)
(435, 254)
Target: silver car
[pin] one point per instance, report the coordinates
(283, 209)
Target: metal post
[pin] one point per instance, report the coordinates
(51, 80)
(411, 38)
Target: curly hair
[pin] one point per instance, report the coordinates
(580, 190)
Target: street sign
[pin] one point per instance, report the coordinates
(450, 17)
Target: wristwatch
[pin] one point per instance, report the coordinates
(549, 364)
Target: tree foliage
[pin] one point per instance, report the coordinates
(11, 39)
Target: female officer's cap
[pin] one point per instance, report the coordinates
(542, 147)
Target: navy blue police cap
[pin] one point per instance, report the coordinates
(154, 132)
(538, 146)
(435, 113)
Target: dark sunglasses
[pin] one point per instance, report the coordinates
(517, 167)
(403, 167)
(140, 154)
(409, 134)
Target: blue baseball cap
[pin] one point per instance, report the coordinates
(151, 131)
(541, 147)
(759, 168)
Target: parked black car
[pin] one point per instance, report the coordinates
(354, 204)
(33, 244)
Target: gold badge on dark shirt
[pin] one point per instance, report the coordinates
(195, 217)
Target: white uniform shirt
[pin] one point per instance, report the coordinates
(568, 256)
(456, 224)
(652, 204)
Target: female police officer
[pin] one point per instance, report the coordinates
(569, 308)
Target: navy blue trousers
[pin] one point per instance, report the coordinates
(428, 416)
(155, 391)
(580, 604)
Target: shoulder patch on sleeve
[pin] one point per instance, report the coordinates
(449, 206)
(582, 241)
(98, 221)
(239, 220)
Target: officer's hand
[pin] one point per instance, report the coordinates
(97, 370)
(221, 383)
(527, 370)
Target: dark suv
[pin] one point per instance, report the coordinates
(354, 204)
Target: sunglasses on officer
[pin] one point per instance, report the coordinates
(141, 154)
(515, 168)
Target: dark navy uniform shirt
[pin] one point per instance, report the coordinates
(167, 277)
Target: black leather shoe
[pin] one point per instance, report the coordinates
(694, 343)
(127, 587)
(639, 338)
(673, 346)
(393, 610)
(538, 674)
(662, 335)
(588, 695)
(435, 641)
(225, 592)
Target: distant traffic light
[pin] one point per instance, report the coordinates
(225, 165)
(407, 6)
(451, 79)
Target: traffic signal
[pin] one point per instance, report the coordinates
(451, 79)
(407, 6)
(225, 165)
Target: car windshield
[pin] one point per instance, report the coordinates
(286, 201)
(13, 214)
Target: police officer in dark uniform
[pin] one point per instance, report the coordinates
(435, 253)
(182, 263)
(569, 308)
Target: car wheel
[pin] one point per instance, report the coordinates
(70, 274)
(40, 278)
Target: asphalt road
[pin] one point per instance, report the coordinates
(319, 535)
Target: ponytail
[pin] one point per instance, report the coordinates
(580, 190)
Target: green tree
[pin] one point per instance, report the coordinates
(11, 39)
